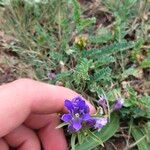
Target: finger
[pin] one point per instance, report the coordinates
(50, 98)
(20, 98)
(51, 137)
(36, 121)
(23, 138)
(3, 145)
(48, 134)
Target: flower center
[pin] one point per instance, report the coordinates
(77, 115)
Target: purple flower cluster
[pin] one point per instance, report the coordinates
(78, 113)
(79, 116)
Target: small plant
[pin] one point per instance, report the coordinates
(80, 122)
(107, 50)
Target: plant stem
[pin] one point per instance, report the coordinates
(134, 144)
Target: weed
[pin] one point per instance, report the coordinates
(55, 37)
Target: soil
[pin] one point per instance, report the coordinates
(11, 66)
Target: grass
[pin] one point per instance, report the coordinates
(91, 48)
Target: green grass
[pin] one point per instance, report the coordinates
(88, 54)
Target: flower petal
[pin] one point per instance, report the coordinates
(86, 109)
(86, 117)
(69, 105)
(90, 123)
(81, 104)
(77, 124)
(102, 102)
(100, 123)
(71, 129)
(118, 104)
(66, 117)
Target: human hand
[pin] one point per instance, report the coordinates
(28, 115)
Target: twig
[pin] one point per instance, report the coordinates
(134, 144)
(113, 145)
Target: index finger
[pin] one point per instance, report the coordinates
(50, 99)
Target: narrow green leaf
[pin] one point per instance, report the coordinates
(145, 63)
(102, 74)
(63, 75)
(107, 132)
(85, 23)
(147, 131)
(61, 125)
(103, 36)
(77, 12)
(80, 137)
(73, 140)
(137, 133)
(109, 49)
(130, 71)
(95, 137)
(104, 61)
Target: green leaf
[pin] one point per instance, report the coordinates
(95, 138)
(102, 74)
(103, 36)
(81, 137)
(130, 71)
(109, 49)
(145, 100)
(63, 75)
(77, 12)
(104, 60)
(107, 132)
(85, 23)
(73, 140)
(81, 72)
(4, 2)
(147, 131)
(61, 125)
(138, 135)
(145, 63)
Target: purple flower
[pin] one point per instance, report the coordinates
(100, 123)
(51, 75)
(102, 102)
(78, 113)
(118, 104)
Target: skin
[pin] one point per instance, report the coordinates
(25, 105)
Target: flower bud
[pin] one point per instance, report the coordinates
(102, 102)
(100, 123)
(118, 104)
